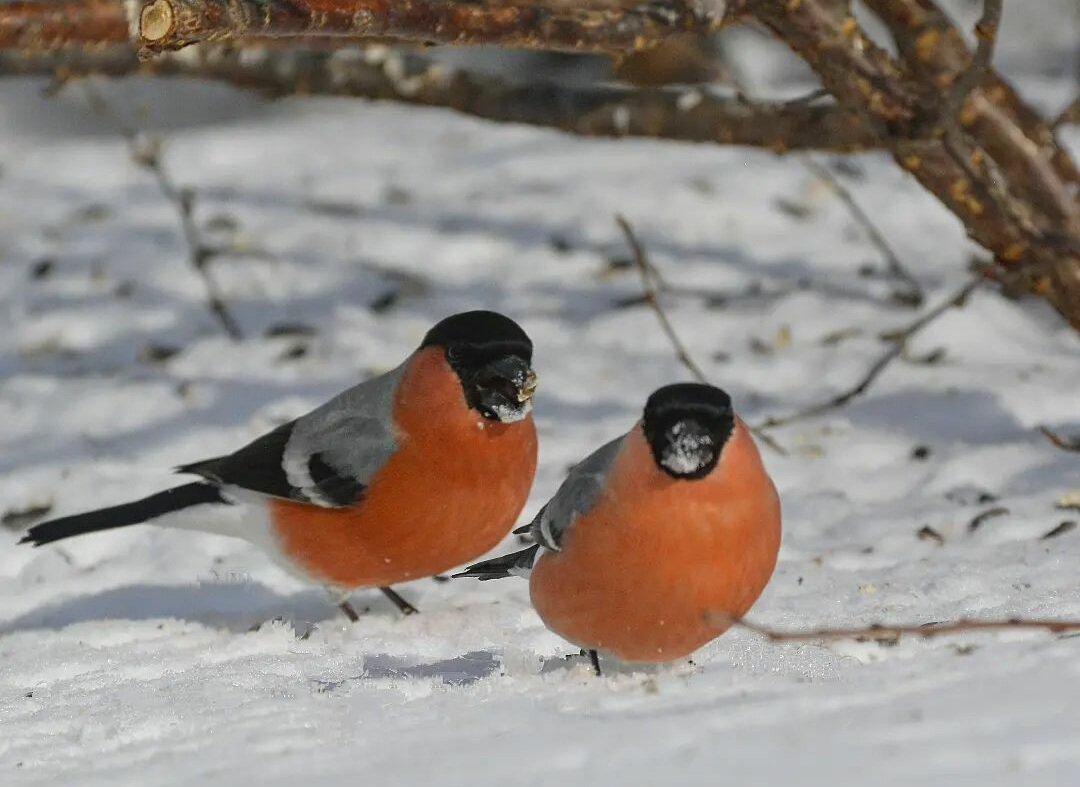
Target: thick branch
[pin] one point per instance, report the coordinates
(934, 49)
(173, 24)
(1030, 245)
(978, 102)
(692, 115)
(44, 25)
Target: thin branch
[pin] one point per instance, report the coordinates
(166, 25)
(1064, 443)
(379, 73)
(915, 295)
(898, 339)
(889, 633)
(147, 153)
(651, 281)
(896, 268)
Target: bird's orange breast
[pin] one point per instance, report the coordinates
(451, 491)
(645, 574)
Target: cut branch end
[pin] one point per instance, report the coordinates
(156, 20)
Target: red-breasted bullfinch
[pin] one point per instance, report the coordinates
(403, 476)
(656, 541)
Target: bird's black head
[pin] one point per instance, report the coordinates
(492, 358)
(686, 426)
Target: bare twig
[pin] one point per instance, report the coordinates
(651, 281)
(883, 632)
(1064, 443)
(146, 152)
(977, 521)
(898, 340)
(914, 296)
(841, 399)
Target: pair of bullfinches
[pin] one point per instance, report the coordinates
(651, 547)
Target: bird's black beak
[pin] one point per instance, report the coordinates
(505, 387)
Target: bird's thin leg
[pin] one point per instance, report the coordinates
(341, 598)
(403, 606)
(347, 608)
(594, 659)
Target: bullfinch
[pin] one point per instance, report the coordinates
(659, 539)
(403, 476)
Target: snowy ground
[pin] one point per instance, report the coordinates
(126, 658)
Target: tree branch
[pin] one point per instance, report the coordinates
(993, 185)
(914, 296)
(899, 341)
(601, 27)
(934, 50)
(1064, 443)
(147, 153)
(651, 281)
(905, 112)
(690, 115)
(48, 25)
(986, 32)
(988, 157)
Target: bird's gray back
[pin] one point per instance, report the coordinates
(577, 494)
(353, 435)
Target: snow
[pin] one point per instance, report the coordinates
(130, 657)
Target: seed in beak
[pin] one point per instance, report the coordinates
(526, 391)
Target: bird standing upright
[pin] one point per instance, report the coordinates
(659, 539)
(403, 476)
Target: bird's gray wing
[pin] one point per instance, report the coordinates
(326, 457)
(577, 494)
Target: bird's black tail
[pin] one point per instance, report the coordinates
(135, 513)
(514, 564)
